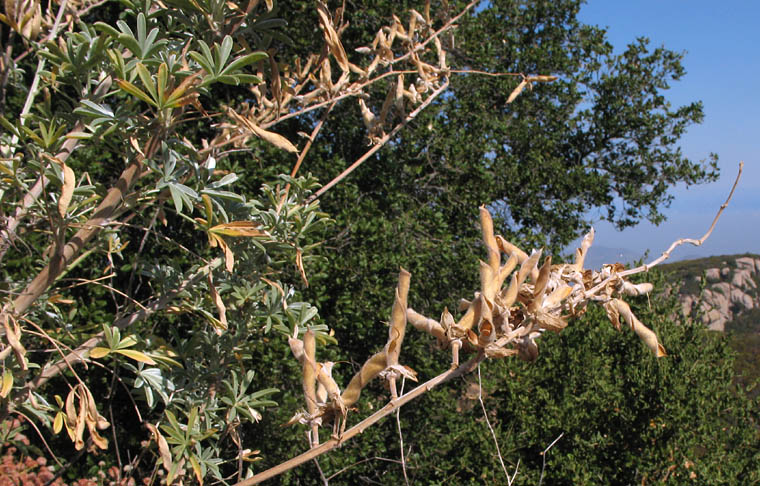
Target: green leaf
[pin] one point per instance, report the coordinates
(243, 61)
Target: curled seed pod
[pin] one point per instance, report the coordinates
(632, 289)
(487, 280)
(510, 295)
(556, 297)
(398, 319)
(617, 308)
(505, 270)
(430, 326)
(371, 368)
(528, 266)
(540, 288)
(486, 225)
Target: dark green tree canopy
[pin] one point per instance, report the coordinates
(602, 136)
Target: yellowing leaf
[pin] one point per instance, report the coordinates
(136, 355)
(58, 422)
(196, 469)
(238, 228)
(99, 352)
(69, 180)
(7, 383)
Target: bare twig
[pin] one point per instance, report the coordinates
(401, 436)
(362, 461)
(666, 254)
(543, 455)
(380, 143)
(493, 433)
(305, 151)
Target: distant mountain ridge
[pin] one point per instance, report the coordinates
(722, 291)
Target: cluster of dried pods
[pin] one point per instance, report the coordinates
(397, 50)
(502, 320)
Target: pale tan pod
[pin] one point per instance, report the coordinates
(528, 266)
(69, 181)
(371, 368)
(428, 325)
(486, 225)
(644, 333)
(580, 253)
(540, 286)
(516, 92)
(509, 297)
(398, 319)
(487, 280)
(559, 294)
(505, 270)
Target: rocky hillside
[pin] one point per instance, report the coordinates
(730, 289)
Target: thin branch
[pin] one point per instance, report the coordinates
(321, 474)
(380, 143)
(354, 91)
(362, 461)
(80, 353)
(493, 433)
(666, 254)
(401, 436)
(42, 437)
(305, 151)
(484, 73)
(366, 423)
(543, 454)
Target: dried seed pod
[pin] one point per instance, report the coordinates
(486, 225)
(540, 287)
(331, 37)
(516, 92)
(398, 319)
(371, 368)
(616, 308)
(488, 280)
(428, 325)
(528, 267)
(505, 270)
(580, 253)
(556, 297)
(509, 296)
(527, 348)
(627, 288)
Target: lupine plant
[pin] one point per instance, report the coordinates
(138, 273)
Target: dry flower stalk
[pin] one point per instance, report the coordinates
(508, 318)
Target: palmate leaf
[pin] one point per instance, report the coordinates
(216, 67)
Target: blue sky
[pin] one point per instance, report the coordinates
(722, 45)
